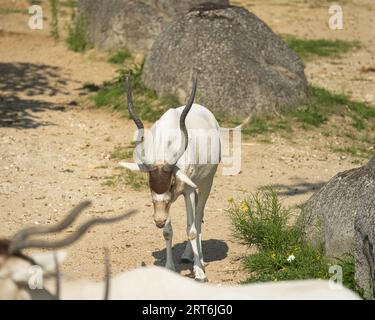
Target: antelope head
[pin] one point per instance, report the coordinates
(15, 266)
(162, 174)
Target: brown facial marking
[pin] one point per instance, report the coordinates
(160, 180)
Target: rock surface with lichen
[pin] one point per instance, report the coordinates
(364, 241)
(131, 24)
(330, 214)
(244, 67)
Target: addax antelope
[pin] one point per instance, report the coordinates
(16, 267)
(180, 153)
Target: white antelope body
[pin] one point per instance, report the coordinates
(153, 283)
(181, 153)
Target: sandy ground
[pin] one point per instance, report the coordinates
(55, 153)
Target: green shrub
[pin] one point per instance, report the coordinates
(283, 253)
(55, 19)
(261, 220)
(77, 32)
(119, 57)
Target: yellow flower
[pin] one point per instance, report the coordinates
(273, 255)
(296, 249)
(244, 206)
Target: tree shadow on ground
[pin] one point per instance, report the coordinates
(213, 250)
(22, 114)
(298, 188)
(29, 80)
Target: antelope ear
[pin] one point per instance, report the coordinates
(44, 261)
(184, 178)
(133, 166)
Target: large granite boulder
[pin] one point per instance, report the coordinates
(131, 24)
(329, 214)
(244, 67)
(364, 241)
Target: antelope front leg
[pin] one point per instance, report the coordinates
(188, 255)
(168, 235)
(190, 199)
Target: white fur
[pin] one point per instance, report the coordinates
(155, 283)
(195, 170)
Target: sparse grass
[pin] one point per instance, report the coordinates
(321, 111)
(77, 30)
(320, 105)
(55, 19)
(148, 105)
(283, 254)
(356, 151)
(320, 3)
(69, 3)
(122, 153)
(119, 57)
(310, 48)
(12, 10)
(127, 178)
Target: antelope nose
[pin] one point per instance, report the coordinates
(160, 223)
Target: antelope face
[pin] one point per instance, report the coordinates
(18, 272)
(161, 180)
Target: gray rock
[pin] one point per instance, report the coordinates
(329, 215)
(364, 242)
(130, 24)
(244, 68)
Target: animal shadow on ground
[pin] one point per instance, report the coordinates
(213, 250)
(29, 80)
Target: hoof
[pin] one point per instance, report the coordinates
(201, 280)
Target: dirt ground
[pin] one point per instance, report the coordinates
(55, 153)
